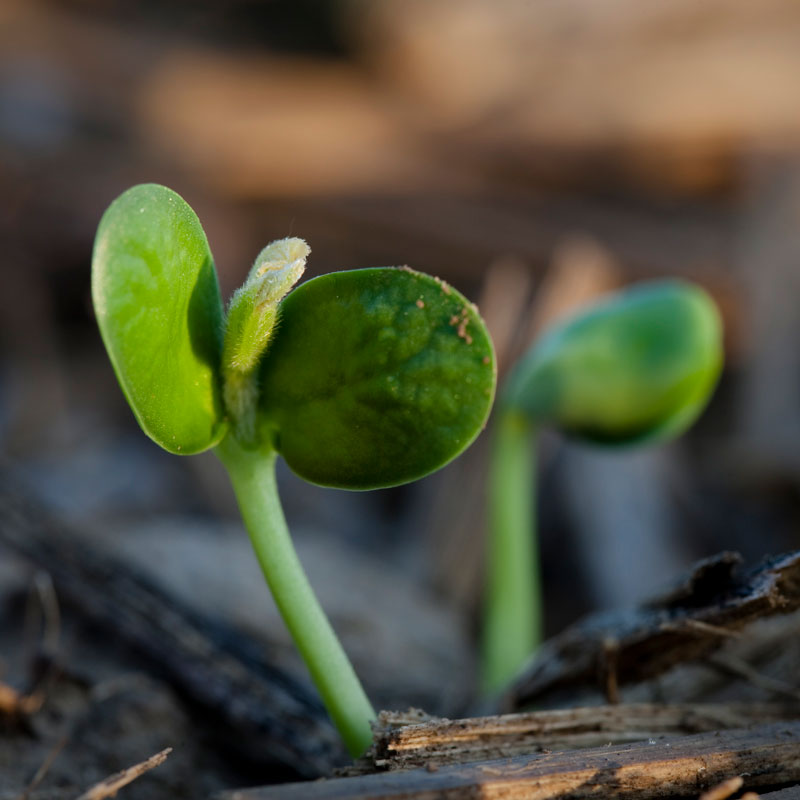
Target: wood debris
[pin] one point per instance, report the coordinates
(765, 755)
(714, 601)
(109, 786)
(407, 741)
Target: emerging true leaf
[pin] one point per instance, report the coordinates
(252, 316)
(641, 365)
(160, 314)
(252, 312)
(375, 377)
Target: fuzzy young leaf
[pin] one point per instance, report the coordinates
(160, 314)
(253, 309)
(376, 377)
(252, 316)
(640, 366)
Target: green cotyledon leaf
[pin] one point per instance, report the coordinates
(375, 377)
(160, 314)
(639, 366)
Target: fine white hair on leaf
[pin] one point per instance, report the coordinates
(251, 322)
(277, 268)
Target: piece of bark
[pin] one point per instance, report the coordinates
(714, 602)
(766, 755)
(403, 742)
(262, 712)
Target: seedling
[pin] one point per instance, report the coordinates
(639, 367)
(360, 379)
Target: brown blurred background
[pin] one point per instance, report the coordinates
(533, 154)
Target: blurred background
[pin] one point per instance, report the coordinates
(533, 154)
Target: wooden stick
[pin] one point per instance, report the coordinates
(767, 755)
(109, 786)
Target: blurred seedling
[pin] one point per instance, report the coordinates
(361, 379)
(639, 367)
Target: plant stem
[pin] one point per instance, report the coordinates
(252, 473)
(513, 605)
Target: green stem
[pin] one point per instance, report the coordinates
(513, 605)
(252, 473)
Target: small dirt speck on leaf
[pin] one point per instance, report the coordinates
(445, 286)
(462, 325)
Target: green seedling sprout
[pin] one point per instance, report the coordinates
(638, 367)
(359, 380)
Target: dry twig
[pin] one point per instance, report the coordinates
(109, 786)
